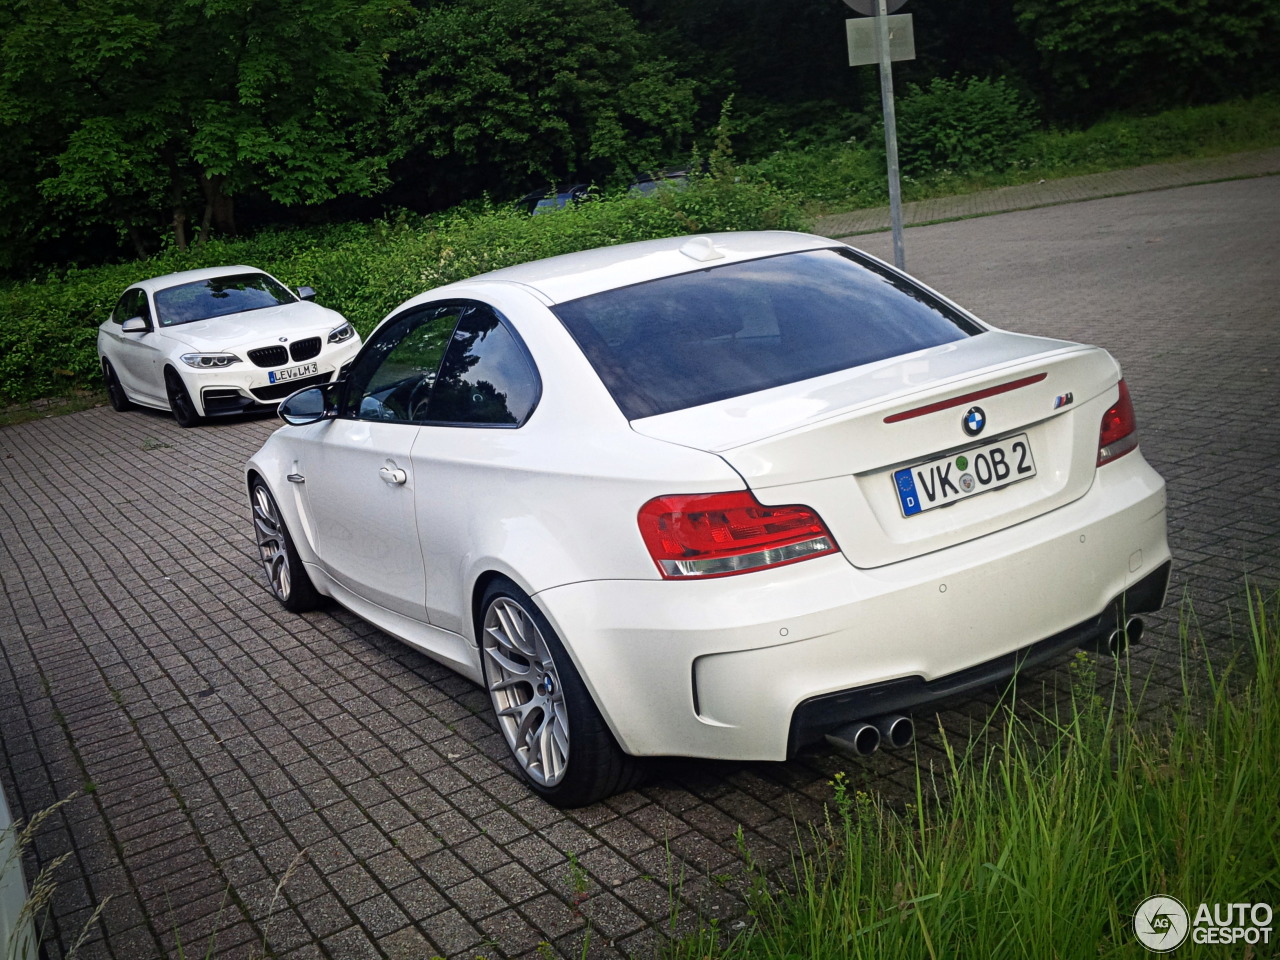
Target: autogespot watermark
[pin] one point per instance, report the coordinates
(1162, 923)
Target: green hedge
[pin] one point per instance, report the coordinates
(48, 327)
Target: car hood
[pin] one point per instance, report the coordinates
(253, 328)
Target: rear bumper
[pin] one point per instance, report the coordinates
(820, 715)
(732, 668)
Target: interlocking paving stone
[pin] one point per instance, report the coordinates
(309, 784)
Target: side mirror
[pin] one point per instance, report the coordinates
(306, 293)
(134, 325)
(308, 405)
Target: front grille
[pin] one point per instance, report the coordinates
(270, 356)
(278, 391)
(305, 349)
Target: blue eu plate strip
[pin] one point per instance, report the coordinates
(907, 492)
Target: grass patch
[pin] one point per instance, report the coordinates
(1042, 837)
(837, 177)
(76, 401)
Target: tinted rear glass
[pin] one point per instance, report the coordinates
(727, 331)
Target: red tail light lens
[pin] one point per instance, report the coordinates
(720, 534)
(1119, 429)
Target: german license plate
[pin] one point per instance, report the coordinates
(948, 480)
(293, 373)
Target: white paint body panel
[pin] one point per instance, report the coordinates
(140, 359)
(552, 505)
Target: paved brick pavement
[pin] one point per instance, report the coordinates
(221, 745)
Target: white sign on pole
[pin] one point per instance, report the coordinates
(864, 39)
(883, 47)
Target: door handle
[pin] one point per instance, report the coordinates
(392, 475)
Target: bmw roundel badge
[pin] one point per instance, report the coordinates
(974, 421)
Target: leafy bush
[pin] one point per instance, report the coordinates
(837, 176)
(964, 126)
(48, 328)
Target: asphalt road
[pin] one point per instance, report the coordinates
(308, 785)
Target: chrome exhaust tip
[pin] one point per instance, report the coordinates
(861, 738)
(896, 730)
(1118, 640)
(1134, 628)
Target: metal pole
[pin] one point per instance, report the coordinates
(890, 133)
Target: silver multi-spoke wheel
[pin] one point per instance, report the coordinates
(527, 694)
(273, 548)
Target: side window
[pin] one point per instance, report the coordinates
(393, 376)
(128, 306)
(486, 378)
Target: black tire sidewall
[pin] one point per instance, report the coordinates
(591, 744)
(304, 596)
(116, 396)
(179, 396)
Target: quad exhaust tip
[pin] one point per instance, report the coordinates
(864, 737)
(896, 730)
(1122, 637)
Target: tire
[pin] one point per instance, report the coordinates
(180, 402)
(556, 735)
(286, 576)
(119, 400)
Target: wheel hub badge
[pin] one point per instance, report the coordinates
(548, 686)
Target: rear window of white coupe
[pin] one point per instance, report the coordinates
(730, 330)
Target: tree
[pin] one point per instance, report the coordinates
(497, 94)
(1102, 55)
(152, 108)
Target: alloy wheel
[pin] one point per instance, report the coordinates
(272, 546)
(526, 691)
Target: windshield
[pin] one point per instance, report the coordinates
(726, 331)
(218, 297)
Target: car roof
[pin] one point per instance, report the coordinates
(573, 275)
(191, 276)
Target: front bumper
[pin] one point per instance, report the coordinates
(731, 668)
(243, 388)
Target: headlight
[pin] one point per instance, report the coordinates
(342, 333)
(207, 361)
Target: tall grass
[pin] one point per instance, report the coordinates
(29, 925)
(1041, 838)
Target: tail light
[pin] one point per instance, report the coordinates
(1119, 429)
(720, 534)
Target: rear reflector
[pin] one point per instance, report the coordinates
(1119, 429)
(720, 534)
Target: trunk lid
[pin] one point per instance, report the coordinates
(834, 443)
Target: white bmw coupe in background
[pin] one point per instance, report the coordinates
(717, 497)
(224, 340)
